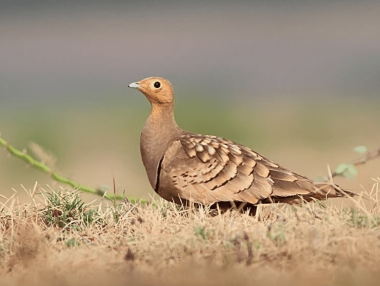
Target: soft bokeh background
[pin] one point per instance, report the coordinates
(298, 81)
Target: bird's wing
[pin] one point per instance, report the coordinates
(209, 169)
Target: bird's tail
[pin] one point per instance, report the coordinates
(322, 191)
(329, 190)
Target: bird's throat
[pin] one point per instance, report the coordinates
(158, 133)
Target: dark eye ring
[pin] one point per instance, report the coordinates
(157, 84)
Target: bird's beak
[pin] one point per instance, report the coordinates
(134, 85)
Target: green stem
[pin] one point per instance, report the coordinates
(44, 168)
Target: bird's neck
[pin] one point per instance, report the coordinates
(158, 133)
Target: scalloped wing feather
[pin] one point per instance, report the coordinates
(208, 169)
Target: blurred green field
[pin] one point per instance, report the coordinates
(94, 141)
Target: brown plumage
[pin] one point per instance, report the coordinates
(182, 166)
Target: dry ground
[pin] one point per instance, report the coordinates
(57, 239)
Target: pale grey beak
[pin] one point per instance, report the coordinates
(134, 84)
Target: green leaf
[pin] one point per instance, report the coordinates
(361, 149)
(351, 171)
(341, 169)
(347, 170)
(320, 179)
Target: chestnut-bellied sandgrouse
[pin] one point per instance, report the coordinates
(185, 167)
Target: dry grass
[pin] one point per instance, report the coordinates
(57, 239)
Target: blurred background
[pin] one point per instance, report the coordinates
(297, 81)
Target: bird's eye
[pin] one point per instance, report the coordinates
(157, 84)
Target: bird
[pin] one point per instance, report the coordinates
(184, 167)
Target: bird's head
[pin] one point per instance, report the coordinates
(157, 90)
